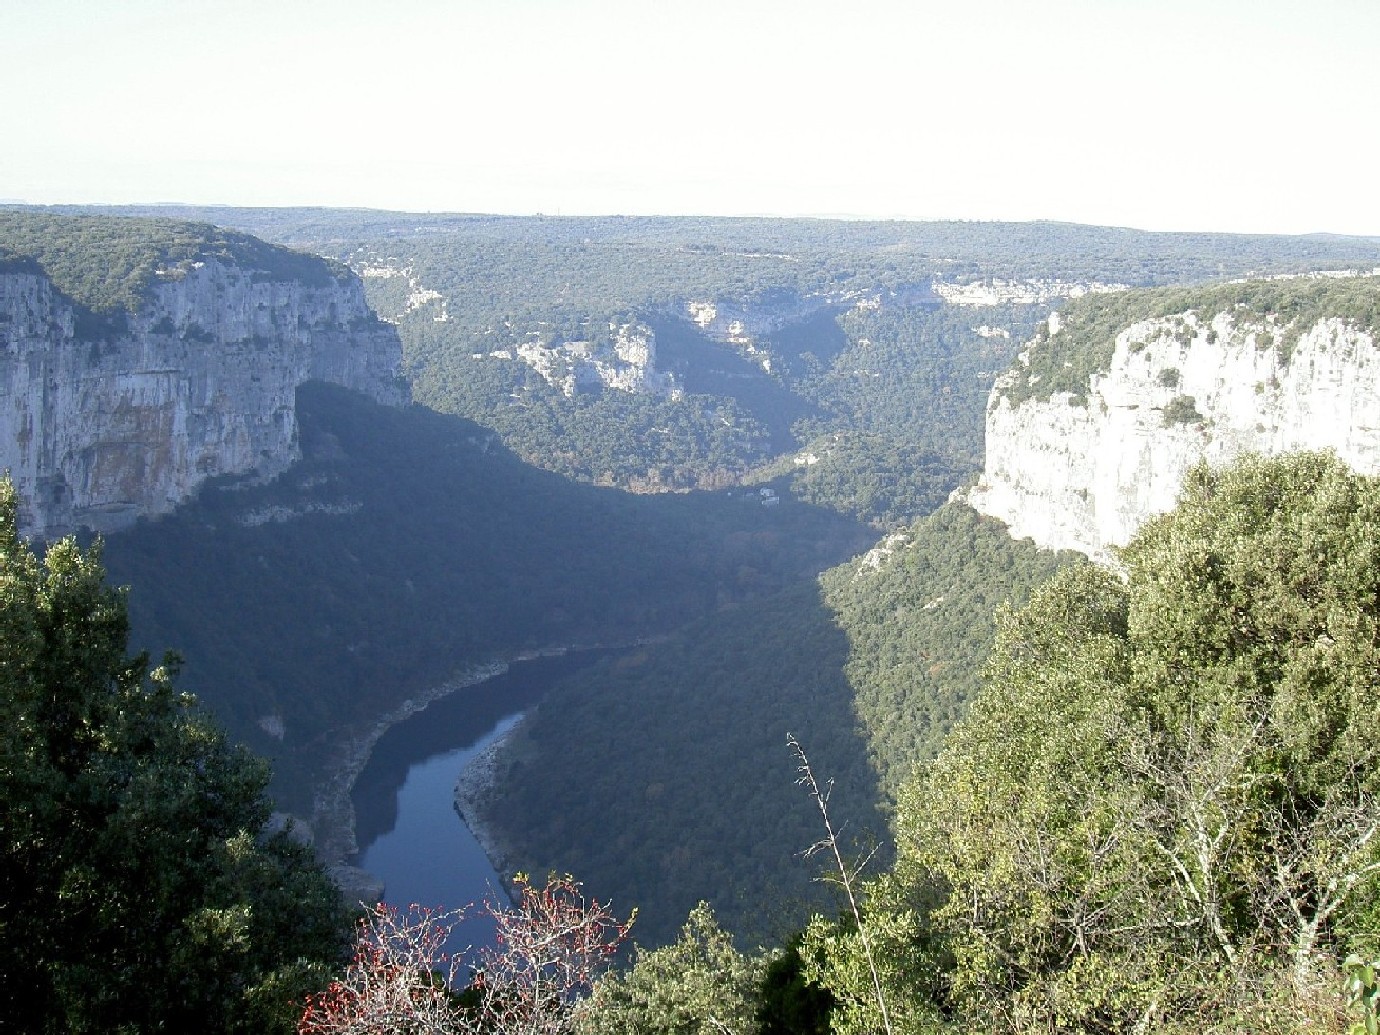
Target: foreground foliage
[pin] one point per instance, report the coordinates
(137, 890)
(548, 950)
(1162, 809)
(698, 985)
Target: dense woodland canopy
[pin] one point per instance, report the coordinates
(868, 668)
(139, 887)
(1043, 872)
(772, 253)
(1161, 810)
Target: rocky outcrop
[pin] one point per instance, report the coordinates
(624, 360)
(1085, 472)
(747, 324)
(410, 296)
(744, 323)
(995, 291)
(104, 421)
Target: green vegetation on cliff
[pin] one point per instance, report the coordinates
(920, 625)
(1086, 341)
(1160, 813)
(107, 264)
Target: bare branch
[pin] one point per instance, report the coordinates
(821, 797)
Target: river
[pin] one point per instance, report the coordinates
(405, 820)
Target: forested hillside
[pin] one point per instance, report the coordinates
(868, 383)
(1160, 812)
(728, 255)
(804, 387)
(408, 546)
(666, 774)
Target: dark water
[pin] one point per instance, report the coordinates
(408, 830)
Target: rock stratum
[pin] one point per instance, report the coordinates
(108, 415)
(1267, 368)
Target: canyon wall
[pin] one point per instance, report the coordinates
(1084, 472)
(107, 418)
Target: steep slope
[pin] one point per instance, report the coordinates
(746, 316)
(1092, 433)
(139, 358)
(408, 547)
(663, 777)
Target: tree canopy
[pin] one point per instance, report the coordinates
(138, 888)
(1161, 809)
(108, 263)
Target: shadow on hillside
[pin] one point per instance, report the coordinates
(663, 777)
(407, 545)
(704, 367)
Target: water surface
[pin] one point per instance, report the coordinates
(405, 820)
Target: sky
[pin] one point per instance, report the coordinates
(1218, 115)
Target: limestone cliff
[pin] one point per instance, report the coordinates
(623, 360)
(993, 291)
(107, 417)
(745, 323)
(1085, 470)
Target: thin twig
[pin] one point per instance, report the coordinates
(821, 796)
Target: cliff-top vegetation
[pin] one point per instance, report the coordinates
(107, 263)
(1083, 347)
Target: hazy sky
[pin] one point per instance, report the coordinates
(1240, 115)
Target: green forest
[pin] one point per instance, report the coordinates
(868, 668)
(866, 764)
(1158, 813)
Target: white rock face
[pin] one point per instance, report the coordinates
(743, 324)
(992, 292)
(624, 363)
(1087, 477)
(100, 429)
(418, 295)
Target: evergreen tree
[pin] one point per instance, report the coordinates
(138, 890)
(1161, 810)
(698, 985)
